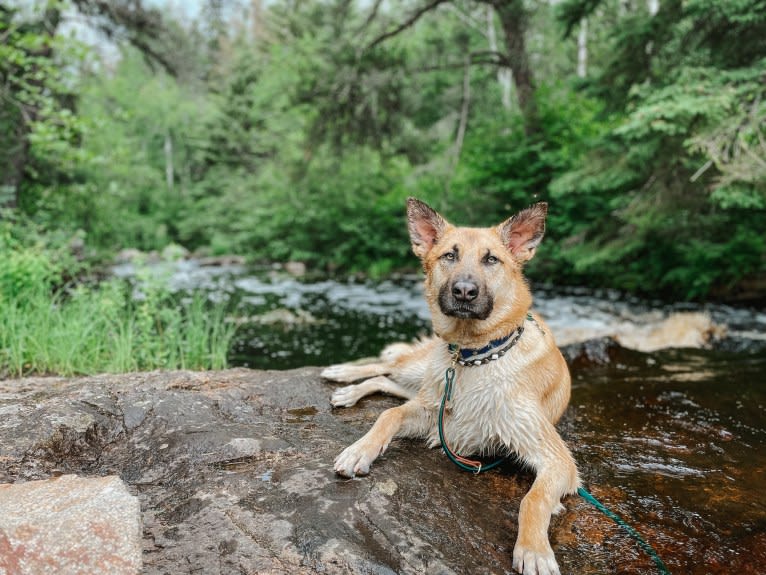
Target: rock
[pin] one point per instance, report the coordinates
(648, 332)
(677, 330)
(233, 471)
(221, 261)
(591, 352)
(129, 255)
(174, 253)
(69, 525)
(279, 316)
(296, 269)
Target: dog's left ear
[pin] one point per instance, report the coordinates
(523, 232)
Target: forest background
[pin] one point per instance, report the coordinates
(295, 130)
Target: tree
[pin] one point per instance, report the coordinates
(31, 90)
(513, 17)
(677, 185)
(39, 108)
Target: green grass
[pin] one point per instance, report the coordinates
(104, 329)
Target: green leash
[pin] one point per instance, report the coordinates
(477, 467)
(588, 496)
(460, 461)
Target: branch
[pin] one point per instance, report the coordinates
(414, 17)
(144, 28)
(370, 17)
(483, 58)
(468, 19)
(498, 58)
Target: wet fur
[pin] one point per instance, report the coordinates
(510, 404)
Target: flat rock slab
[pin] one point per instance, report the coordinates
(233, 471)
(69, 525)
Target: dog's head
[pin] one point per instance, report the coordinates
(474, 275)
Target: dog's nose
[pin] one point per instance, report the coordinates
(464, 290)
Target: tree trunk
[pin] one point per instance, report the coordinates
(582, 49)
(463, 123)
(14, 166)
(504, 75)
(169, 169)
(464, 108)
(18, 150)
(513, 19)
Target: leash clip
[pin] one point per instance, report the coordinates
(449, 378)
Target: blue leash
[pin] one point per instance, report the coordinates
(477, 467)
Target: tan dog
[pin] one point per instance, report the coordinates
(515, 384)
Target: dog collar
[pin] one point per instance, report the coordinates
(495, 349)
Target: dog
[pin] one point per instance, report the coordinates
(510, 383)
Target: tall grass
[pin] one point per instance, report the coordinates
(104, 329)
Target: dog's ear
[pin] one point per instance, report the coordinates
(425, 226)
(523, 232)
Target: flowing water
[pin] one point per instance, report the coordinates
(673, 440)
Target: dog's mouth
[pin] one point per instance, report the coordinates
(479, 308)
(465, 313)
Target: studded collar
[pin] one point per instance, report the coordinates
(495, 349)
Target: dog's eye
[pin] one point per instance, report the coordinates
(449, 256)
(491, 260)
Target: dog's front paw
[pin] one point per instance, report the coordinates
(535, 561)
(346, 396)
(340, 372)
(356, 459)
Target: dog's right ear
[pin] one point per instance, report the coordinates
(425, 226)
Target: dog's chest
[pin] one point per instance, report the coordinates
(481, 403)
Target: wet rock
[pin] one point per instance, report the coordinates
(591, 352)
(70, 526)
(647, 331)
(280, 316)
(678, 330)
(233, 472)
(221, 261)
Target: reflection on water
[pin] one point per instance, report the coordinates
(681, 457)
(674, 441)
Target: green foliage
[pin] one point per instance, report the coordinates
(91, 329)
(131, 139)
(677, 187)
(295, 135)
(36, 108)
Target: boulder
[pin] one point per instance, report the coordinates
(233, 471)
(69, 525)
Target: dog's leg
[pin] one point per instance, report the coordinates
(349, 395)
(348, 372)
(409, 419)
(557, 476)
